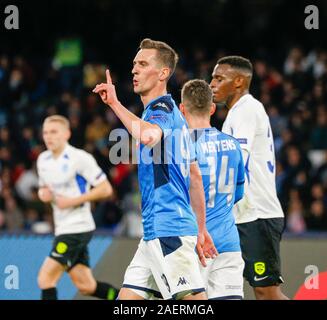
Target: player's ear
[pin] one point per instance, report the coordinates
(239, 82)
(68, 134)
(212, 109)
(182, 109)
(164, 73)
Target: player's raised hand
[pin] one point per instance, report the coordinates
(107, 91)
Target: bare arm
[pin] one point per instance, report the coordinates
(205, 246)
(147, 133)
(101, 191)
(197, 196)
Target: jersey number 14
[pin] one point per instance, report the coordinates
(222, 176)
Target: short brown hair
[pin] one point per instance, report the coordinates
(165, 54)
(197, 96)
(58, 118)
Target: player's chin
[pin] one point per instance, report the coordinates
(137, 90)
(50, 147)
(218, 99)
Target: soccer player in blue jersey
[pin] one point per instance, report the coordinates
(220, 159)
(165, 264)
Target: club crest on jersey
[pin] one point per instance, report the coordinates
(259, 268)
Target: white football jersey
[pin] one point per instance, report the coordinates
(248, 122)
(70, 175)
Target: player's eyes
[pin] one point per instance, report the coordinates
(142, 64)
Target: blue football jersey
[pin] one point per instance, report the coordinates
(220, 160)
(164, 174)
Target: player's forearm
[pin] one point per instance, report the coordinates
(102, 191)
(141, 130)
(197, 197)
(199, 210)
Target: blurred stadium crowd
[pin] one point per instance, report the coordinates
(294, 95)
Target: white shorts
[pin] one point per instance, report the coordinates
(165, 268)
(223, 276)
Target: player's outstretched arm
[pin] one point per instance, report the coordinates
(101, 191)
(205, 246)
(147, 133)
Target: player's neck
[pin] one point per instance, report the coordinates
(58, 152)
(153, 94)
(235, 98)
(198, 123)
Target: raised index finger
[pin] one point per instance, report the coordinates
(109, 81)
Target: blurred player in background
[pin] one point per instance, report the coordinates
(220, 159)
(259, 216)
(65, 175)
(165, 263)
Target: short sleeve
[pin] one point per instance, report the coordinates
(242, 126)
(89, 169)
(41, 181)
(240, 170)
(161, 115)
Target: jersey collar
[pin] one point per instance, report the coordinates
(157, 98)
(63, 154)
(196, 133)
(241, 100)
(204, 129)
